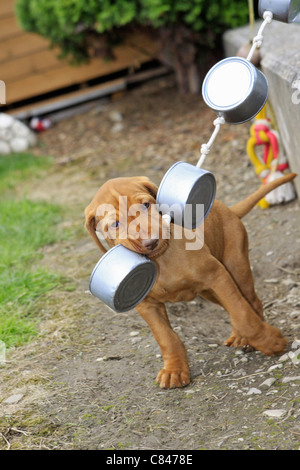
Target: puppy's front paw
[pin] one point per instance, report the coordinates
(270, 342)
(174, 378)
(239, 342)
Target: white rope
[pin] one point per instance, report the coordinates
(258, 39)
(205, 148)
(257, 42)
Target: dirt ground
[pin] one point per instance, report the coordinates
(88, 380)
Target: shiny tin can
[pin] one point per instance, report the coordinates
(235, 89)
(187, 194)
(283, 10)
(122, 278)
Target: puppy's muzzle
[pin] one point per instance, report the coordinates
(150, 243)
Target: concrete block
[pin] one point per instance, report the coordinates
(280, 63)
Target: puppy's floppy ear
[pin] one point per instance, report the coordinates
(150, 187)
(90, 225)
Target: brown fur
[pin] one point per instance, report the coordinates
(219, 272)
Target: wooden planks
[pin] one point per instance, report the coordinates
(9, 27)
(30, 68)
(21, 45)
(86, 94)
(7, 7)
(64, 75)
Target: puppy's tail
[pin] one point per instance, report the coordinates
(245, 206)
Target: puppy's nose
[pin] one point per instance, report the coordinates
(150, 243)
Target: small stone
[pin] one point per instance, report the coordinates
(134, 333)
(254, 391)
(115, 116)
(271, 281)
(268, 382)
(118, 127)
(177, 328)
(288, 282)
(274, 413)
(276, 366)
(238, 352)
(238, 373)
(244, 359)
(213, 345)
(135, 340)
(13, 399)
(100, 359)
(284, 358)
(286, 380)
(294, 314)
(295, 357)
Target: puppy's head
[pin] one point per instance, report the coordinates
(123, 211)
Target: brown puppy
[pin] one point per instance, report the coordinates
(218, 270)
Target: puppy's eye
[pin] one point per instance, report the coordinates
(146, 205)
(115, 224)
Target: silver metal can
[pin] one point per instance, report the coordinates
(283, 10)
(235, 89)
(122, 278)
(187, 194)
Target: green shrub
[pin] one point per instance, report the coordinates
(76, 25)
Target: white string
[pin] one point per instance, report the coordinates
(205, 148)
(257, 42)
(258, 39)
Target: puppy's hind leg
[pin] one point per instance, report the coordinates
(236, 261)
(248, 326)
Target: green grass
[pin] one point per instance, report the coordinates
(19, 167)
(25, 227)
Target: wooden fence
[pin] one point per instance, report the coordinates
(29, 68)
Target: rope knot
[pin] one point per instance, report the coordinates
(219, 121)
(205, 149)
(258, 40)
(268, 16)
